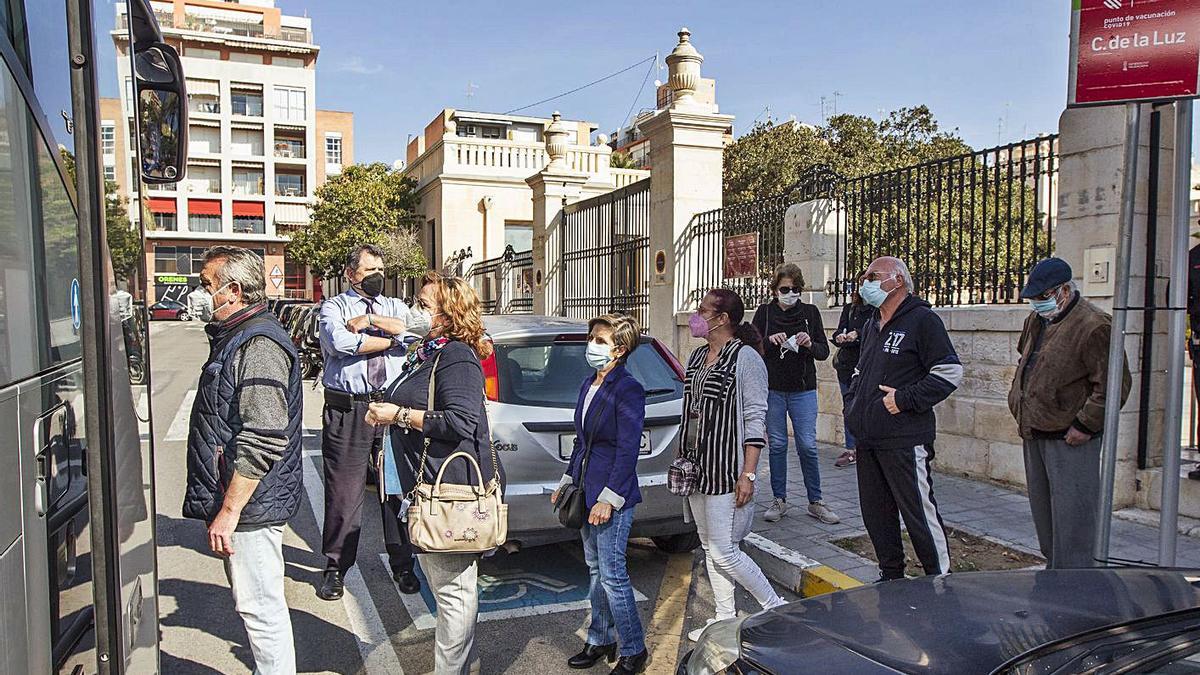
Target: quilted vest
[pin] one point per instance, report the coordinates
(215, 422)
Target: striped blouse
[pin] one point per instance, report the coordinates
(730, 398)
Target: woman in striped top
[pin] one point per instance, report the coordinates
(725, 410)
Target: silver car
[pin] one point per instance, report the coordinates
(533, 381)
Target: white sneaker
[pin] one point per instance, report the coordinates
(823, 513)
(694, 636)
(776, 510)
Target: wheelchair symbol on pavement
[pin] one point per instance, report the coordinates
(514, 584)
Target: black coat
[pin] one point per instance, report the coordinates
(788, 370)
(457, 421)
(854, 319)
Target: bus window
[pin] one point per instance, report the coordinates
(50, 65)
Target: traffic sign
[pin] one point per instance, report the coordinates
(1133, 50)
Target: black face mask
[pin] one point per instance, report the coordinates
(372, 285)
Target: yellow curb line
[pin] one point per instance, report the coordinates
(798, 573)
(824, 579)
(664, 633)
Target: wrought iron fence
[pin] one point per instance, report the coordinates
(504, 283)
(711, 229)
(605, 253)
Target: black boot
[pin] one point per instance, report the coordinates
(630, 665)
(332, 587)
(591, 654)
(407, 581)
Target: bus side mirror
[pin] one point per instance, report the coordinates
(161, 95)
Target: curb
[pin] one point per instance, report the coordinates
(800, 574)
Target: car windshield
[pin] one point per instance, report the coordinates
(549, 373)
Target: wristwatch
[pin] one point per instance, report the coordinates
(751, 476)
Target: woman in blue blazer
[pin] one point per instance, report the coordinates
(608, 427)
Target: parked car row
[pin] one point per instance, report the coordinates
(301, 319)
(170, 310)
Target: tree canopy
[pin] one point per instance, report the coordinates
(365, 204)
(124, 240)
(770, 158)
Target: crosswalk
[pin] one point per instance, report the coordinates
(178, 431)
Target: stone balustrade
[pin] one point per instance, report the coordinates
(623, 177)
(513, 159)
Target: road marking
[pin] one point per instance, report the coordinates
(374, 643)
(178, 430)
(665, 631)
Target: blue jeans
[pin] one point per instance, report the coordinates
(614, 609)
(850, 442)
(801, 406)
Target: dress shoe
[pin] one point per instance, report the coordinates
(591, 654)
(631, 665)
(407, 581)
(332, 587)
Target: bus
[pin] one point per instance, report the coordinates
(78, 582)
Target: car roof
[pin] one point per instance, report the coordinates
(508, 326)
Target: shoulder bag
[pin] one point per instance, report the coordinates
(456, 518)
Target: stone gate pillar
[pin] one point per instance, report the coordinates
(686, 143)
(553, 188)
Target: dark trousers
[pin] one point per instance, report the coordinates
(348, 447)
(1063, 482)
(895, 484)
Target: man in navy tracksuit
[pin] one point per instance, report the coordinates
(907, 366)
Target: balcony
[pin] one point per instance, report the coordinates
(288, 148)
(290, 185)
(504, 159)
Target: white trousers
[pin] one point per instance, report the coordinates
(722, 527)
(255, 573)
(453, 579)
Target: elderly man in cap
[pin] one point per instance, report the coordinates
(1057, 398)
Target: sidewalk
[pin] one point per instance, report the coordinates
(975, 507)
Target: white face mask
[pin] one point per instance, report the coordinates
(213, 309)
(788, 299)
(419, 321)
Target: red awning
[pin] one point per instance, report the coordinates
(204, 207)
(161, 205)
(249, 209)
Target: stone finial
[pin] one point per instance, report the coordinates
(602, 139)
(451, 127)
(683, 63)
(556, 141)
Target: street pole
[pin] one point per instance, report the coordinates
(1116, 343)
(1180, 201)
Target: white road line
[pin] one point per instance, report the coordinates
(374, 644)
(178, 430)
(143, 406)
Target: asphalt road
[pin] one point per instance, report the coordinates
(533, 603)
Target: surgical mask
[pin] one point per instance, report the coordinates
(699, 326)
(1045, 308)
(211, 315)
(787, 299)
(419, 321)
(598, 356)
(372, 284)
(872, 293)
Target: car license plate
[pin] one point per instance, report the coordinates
(566, 444)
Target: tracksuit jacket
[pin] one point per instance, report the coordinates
(913, 354)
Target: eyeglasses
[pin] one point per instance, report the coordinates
(877, 276)
(788, 289)
(1048, 294)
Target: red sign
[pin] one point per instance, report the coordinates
(1132, 50)
(741, 256)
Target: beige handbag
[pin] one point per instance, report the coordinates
(454, 518)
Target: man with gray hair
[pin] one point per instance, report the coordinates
(1057, 397)
(907, 365)
(244, 471)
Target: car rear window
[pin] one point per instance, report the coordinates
(549, 374)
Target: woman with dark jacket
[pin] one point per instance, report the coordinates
(608, 432)
(455, 422)
(795, 341)
(848, 338)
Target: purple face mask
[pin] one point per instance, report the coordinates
(699, 326)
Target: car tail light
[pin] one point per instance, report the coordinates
(491, 378)
(670, 357)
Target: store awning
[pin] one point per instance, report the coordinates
(249, 209)
(292, 214)
(204, 207)
(161, 205)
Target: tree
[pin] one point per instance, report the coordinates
(769, 159)
(124, 240)
(365, 204)
(621, 160)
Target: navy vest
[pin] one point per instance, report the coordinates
(215, 422)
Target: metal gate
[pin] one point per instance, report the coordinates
(605, 254)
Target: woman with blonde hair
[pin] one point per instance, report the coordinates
(455, 422)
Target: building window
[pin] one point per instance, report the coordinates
(165, 261)
(245, 57)
(198, 258)
(287, 62)
(110, 172)
(290, 148)
(108, 138)
(467, 130)
(247, 182)
(201, 53)
(129, 109)
(491, 132)
(290, 104)
(333, 149)
(249, 225)
(165, 222)
(247, 103)
(289, 185)
(203, 223)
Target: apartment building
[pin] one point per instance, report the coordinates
(257, 144)
(470, 169)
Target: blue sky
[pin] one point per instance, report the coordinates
(995, 70)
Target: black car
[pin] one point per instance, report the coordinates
(1126, 620)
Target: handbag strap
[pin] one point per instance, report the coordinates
(495, 482)
(587, 446)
